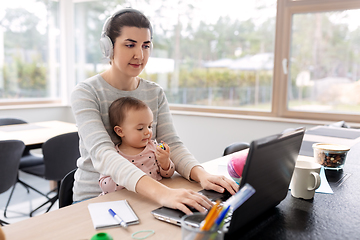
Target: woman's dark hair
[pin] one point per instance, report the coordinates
(127, 19)
(119, 108)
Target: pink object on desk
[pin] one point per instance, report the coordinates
(236, 164)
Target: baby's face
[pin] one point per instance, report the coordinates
(137, 128)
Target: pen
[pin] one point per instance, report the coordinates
(210, 215)
(219, 222)
(117, 218)
(208, 225)
(220, 219)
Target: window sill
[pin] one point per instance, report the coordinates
(6, 105)
(256, 118)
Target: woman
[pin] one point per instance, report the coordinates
(126, 41)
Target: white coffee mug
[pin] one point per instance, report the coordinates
(305, 179)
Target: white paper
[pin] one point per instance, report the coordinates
(101, 217)
(324, 185)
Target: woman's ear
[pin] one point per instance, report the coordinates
(118, 130)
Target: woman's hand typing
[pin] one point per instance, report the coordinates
(213, 182)
(180, 199)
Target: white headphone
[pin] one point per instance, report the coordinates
(105, 42)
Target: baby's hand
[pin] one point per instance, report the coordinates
(162, 146)
(162, 154)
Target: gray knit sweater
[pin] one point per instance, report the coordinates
(90, 102)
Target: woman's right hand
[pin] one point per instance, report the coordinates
(172, 198)
(182, 199)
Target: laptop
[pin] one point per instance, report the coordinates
(269, 167)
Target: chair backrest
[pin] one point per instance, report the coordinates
(235, 147)
(66, 189)
(10, 121)
(10, 154)
(60, 155)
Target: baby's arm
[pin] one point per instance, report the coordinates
(167, 173)
(108, 185)
(166, 166)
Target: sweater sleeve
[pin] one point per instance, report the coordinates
(167, 173)
(96, 146)
(184, 161)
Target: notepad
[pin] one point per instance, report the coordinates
(101, 217)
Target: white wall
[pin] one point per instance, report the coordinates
(30, 114)
(205, 136)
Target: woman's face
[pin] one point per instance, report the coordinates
(132, 51)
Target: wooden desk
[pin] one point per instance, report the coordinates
(35, 133)
(74, 222)
(327, 216)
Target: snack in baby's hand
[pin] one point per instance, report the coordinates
(236, 164)
(161, 145)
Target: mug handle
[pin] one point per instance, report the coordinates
(317, 181)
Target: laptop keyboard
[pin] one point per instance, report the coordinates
(213, 196)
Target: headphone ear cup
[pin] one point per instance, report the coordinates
(106, 46)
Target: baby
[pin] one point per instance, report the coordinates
(131, 119)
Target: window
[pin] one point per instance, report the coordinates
(276, 58)
(222, 55)
(205, 54)
(29, 50)
(323, 60)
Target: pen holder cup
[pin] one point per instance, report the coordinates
(190, 229)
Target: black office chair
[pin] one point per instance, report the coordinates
(235, 147)
(10, 154)
(66, 189)
(27, 160)
(60, 155)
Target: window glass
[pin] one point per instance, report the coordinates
(205, 53)
(89, 17)
(29, 47)
(325, 62)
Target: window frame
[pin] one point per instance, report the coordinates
(287, 8)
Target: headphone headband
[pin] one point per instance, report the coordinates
(105, 42)
(122, 11)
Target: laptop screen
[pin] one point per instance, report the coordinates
(268, 168)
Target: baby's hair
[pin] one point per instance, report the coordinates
(119, 108)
